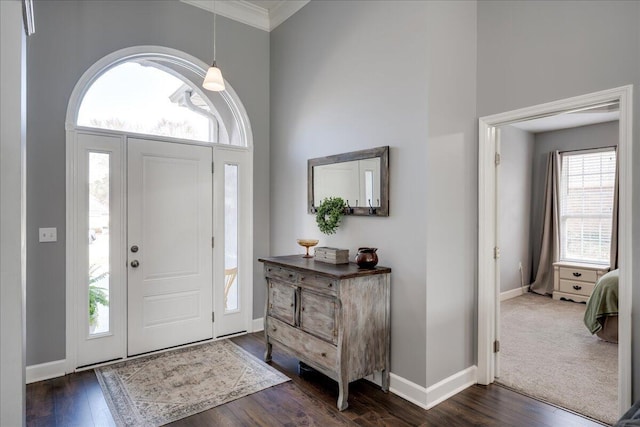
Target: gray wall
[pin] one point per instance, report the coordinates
(73, 35)
(531, 52)
(354, 75)
(12, 225)
(514, 205)
(593, 136)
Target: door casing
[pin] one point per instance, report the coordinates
(487, 226)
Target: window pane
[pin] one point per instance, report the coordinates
(586, 204)
(98, 234)
(144, 99)
(231, 289)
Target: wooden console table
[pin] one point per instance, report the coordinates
(334, 318)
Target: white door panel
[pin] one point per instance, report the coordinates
(170, 222)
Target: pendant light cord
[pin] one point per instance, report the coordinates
(214, 32)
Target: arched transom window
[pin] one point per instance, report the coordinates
(149, 97)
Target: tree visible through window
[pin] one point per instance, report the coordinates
(586, 205)
(144, 99)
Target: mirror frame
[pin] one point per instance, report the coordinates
(382, 153)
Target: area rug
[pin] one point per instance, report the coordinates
(547, 353)
(161, 388)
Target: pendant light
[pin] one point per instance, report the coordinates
(213, 80)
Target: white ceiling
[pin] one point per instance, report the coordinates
(263, 14)
(566, 121)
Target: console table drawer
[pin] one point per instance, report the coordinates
(576, 287)
(322, 284)
(280, 273)
(581, 274)
(314, 349)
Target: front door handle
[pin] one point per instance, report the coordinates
(135, 263)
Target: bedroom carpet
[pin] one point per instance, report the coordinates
(158, 389)
(547, 353)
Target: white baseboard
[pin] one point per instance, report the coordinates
(450, 386)
(45, 371)
(258, 325)
(513, 293)
(408, 390)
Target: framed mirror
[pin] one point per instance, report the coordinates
(361, 178)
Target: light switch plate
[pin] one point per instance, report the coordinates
(48, 234)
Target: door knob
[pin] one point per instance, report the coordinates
(134, 248)
(135, 263)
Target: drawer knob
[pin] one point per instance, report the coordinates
(268, 269)
(576, 287)
(323, 354)
(274, 329)
(290, 275)
(291, 305)
(576, 274)
(302, 278)
(330, 285)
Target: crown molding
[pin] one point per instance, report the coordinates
(283, 11)
(251, 14)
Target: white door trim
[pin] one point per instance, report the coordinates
(487, 226)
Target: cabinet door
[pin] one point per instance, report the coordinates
(282, 301)
(318, 315)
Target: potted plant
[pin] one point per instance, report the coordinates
(97, 295)
(329, 214)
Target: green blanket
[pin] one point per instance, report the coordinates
(603, 301)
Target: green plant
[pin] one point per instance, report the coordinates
(97, 295)
(329, 214)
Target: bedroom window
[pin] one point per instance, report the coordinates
(586, 204)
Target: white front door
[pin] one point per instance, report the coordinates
(169, 247)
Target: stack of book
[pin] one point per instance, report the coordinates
(332, 255)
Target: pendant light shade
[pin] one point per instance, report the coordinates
(213, 80)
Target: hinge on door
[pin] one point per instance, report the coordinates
(497, 159)
(213, 317)
(496, 346)
(496, 252)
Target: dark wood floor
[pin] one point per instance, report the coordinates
(310, 400)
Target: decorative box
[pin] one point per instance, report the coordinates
(332, 255)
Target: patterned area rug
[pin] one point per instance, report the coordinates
(161, 388)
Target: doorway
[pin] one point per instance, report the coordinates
(159, 208)
(488, 271)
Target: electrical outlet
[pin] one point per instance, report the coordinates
(48, 234)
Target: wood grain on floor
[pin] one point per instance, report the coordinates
(308, 400)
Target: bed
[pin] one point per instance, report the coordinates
(601, 315)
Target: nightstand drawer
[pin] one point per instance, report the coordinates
(576, 287)
(581, 274)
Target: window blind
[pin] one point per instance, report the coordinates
(586, 204)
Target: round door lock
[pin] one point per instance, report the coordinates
(135, 263)
(134, 248)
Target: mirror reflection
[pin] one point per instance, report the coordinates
(357, 182)
(359, 177)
